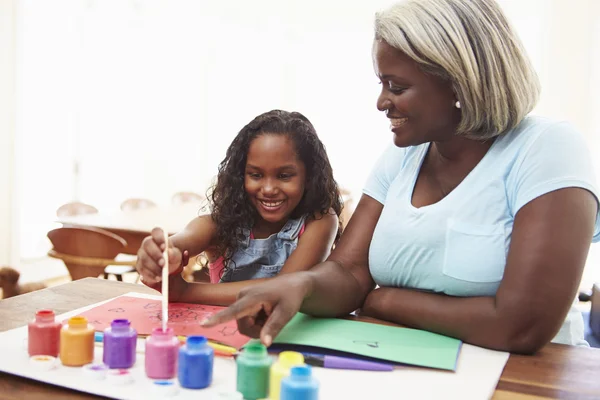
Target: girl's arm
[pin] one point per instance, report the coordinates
(313, 247)
(550, 242)
(196, 237)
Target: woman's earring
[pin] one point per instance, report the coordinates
(457, 104)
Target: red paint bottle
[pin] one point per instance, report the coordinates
(44, 334)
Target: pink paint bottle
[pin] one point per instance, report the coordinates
(162, 350)
(44, 334)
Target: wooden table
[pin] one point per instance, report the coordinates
(134, 226)
(557, 371)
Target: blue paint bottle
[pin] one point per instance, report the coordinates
(300, 385)
(195, 368)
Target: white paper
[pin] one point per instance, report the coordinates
(476, 376)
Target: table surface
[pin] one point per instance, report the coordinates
(557, 371)
(171, 218)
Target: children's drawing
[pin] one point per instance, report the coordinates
(228, 331)
(374, 345)
(145, 314)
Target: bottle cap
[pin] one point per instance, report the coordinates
(119, 376)
(95, 371)
(43, 363)
(78, 322)
(44, 316)
(158, 333)
(120, 325)
(290, 358)
(196, 342)
(255, 349)
(164, 388)
(300, 373)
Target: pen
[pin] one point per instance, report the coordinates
(225, 350)
(345, 363)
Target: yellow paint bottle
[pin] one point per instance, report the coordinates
(77, 342)
(281, 369)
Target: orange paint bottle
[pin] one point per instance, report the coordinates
(77, 342)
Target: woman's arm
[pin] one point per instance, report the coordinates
(332, 288)
(313, 247)
(550, 242)
(340, 285)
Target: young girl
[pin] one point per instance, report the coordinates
(274, 210)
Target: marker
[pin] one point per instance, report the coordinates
(345, 363)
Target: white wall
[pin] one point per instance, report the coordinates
(8, 254)
(145, 96)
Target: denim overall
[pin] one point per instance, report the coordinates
(263, 258)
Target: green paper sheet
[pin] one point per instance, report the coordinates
(400, 345)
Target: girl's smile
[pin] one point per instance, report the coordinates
(274, 180)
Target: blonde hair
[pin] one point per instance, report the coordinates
(471, 44)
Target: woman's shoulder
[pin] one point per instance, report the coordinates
(541, 129)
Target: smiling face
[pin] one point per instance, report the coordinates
(274, 179)
(420, 106)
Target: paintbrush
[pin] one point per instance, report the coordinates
(165, 284)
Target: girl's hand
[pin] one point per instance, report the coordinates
(150, 261)
(264, 309)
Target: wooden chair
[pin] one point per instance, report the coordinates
(595, 311)
(75, 208)
(187, 197)
(78, 208)
(349, 206)
(86, 252)
(136, 204)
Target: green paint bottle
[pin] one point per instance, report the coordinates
(253, 367)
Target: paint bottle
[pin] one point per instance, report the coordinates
(120, 341)
(195, 368)
(300, 385)
(253, 365)
(44, 334)
(77, 342)
(281, 369)
(161, 354)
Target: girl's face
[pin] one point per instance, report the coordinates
(274, 178)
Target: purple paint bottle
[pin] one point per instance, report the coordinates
(120, 341)
(162, 349)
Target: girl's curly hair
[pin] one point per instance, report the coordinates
(231, 209)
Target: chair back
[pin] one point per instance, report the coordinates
(187, 197)
(85, 251)
(136, 204)
(349, 206)
(75, 208)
